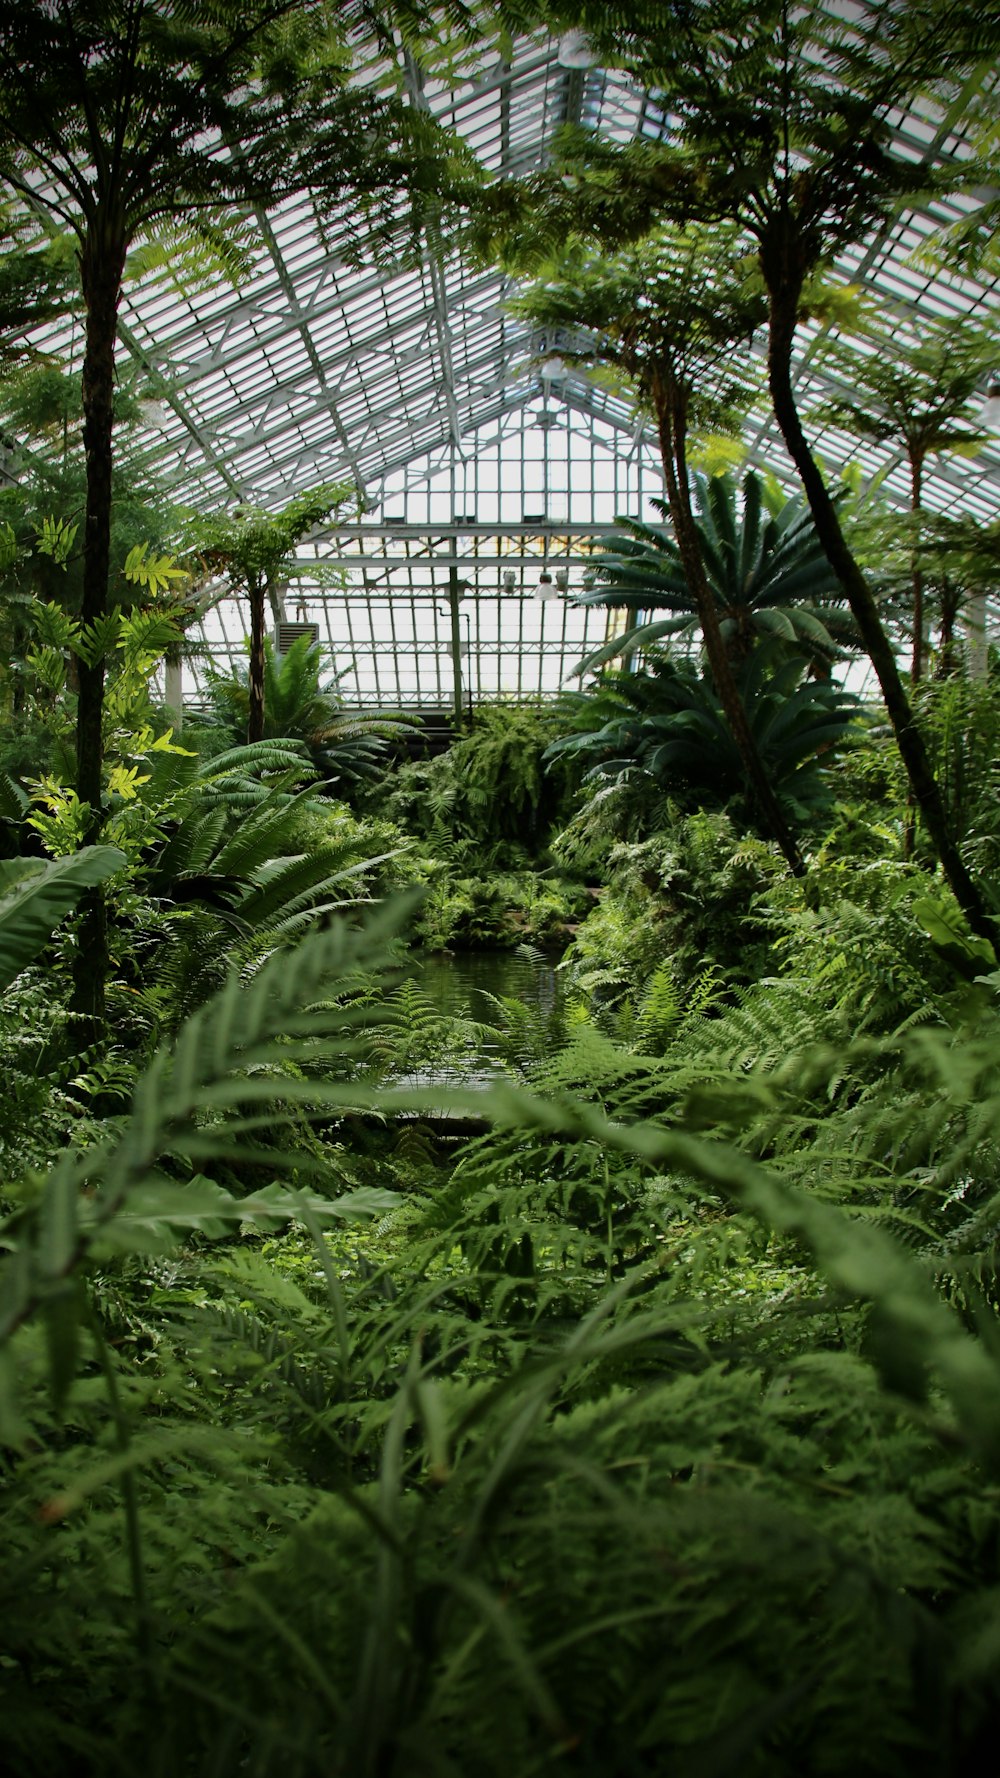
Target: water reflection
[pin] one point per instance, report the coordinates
(461, 982)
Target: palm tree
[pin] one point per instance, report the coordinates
(670, 314)
(254, 552)
(917, 390)
(764, 563)
(781, 128)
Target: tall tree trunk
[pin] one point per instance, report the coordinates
(916, 572)
(784, 291)
(255, 712)
(673, 449)
(102, 264)
(917, 658)
(950, 600)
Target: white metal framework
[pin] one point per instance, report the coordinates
(418, 386)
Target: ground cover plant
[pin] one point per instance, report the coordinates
(608, 1436)
(486, 811)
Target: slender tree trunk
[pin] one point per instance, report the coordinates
(102, 263)
(946, 663)
(255, 712)
(671, 429)
(784, 293)
(917, 658)
(917, 573)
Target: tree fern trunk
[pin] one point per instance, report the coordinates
(255, 712)
(102, 264)
(784, 302)
(917, 574)
(670, 426)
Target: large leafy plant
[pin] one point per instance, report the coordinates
(782, 130)
(35, 895)
(234, 857)
(596, 1455)
(489, 799)
(765, 566)
(347, 746)
(666, 721)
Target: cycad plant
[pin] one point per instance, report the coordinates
(342, 744)
(764, 563)
(667, 721)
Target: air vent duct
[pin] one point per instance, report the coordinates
(287, 632)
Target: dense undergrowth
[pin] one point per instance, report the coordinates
(655, 1426)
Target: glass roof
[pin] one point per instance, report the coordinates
(418, 386)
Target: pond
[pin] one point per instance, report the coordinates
(460, 981)
(459, 985)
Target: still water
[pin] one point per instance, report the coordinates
(461, 981)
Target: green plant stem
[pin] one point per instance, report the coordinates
(130, 1503)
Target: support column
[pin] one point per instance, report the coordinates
(173, 689)
(456, 640)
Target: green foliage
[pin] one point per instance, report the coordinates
(490, 799)
(765, 565)
(234, 858)
(35, 896)
(693, 895)
(501, 909)
(415, 1038)
(348, 747)
(155, 573)
(622, 1444)
(183, 75)
(960, 718)
(485, 811)
(56, 538)
(658, 1427)
(255, 547)
(917, 389)
(666, 721)
(757, 96)
(35, 279)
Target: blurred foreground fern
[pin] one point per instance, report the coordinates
(623, 1452)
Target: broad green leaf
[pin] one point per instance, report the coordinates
(161, 1212)
(947, 929)
(58, 1224)
(61, 1312)
(31, 908)
(15, 1430)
